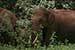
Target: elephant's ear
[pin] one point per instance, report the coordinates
(51, 18)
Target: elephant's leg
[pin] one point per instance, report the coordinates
(46, 36)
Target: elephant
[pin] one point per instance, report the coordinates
(7, 25)
(60, 21)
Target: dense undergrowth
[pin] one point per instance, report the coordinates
(51, 47)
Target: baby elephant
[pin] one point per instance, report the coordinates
(60, 21)
(7, 25)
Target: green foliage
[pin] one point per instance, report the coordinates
(8, 4)
(52, 47)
